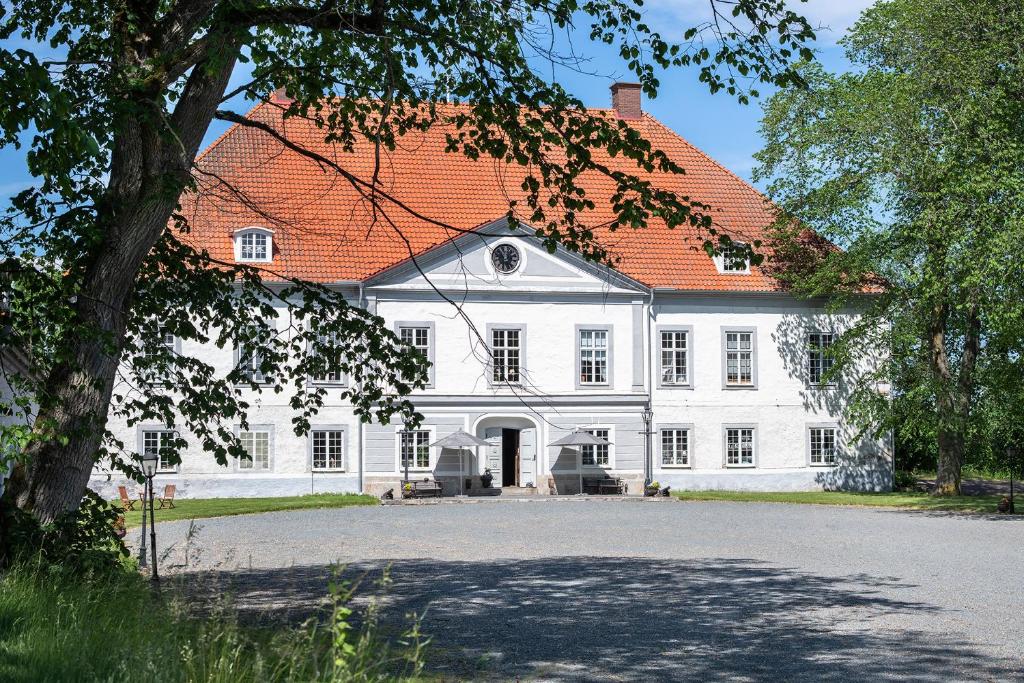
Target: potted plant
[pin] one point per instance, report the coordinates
(486, 478)
(407, 489)
(652, 489)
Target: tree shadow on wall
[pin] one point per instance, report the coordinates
(586, 618)
(863, 468)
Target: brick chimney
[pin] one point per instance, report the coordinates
(280, 97)
(626, 100)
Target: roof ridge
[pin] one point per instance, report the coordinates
(223, 136)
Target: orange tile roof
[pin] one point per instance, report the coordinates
(325, 231)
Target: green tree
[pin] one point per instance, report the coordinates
(912, 162)
(112, 125)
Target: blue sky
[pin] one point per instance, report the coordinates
(718, 124)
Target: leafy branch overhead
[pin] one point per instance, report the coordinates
(112, 99)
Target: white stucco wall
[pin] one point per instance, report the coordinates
(551, 298)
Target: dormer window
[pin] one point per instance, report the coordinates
(254, 244)
(733, 259)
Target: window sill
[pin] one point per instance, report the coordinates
(823, 465)
(328, 470)
(741, 387)
(676, 467)
(686, 386)
(822, 386)
(740, 467)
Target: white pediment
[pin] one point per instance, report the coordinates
(469, 264)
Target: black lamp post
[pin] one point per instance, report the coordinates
(648, 416)
(149, 465)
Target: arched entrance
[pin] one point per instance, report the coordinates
(513, 450)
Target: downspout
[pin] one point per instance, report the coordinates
(359, 424)
(649, 359)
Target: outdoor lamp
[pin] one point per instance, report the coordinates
(149, 461)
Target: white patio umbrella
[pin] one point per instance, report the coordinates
(580, 438)
(460, 440)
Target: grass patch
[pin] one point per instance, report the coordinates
(198, 508)
(58, 626)
(899, 499)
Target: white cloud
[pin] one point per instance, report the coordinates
(833, 16)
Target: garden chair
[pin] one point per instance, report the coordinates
(167, 500)
(127, 502)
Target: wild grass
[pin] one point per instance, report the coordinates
(198, 508)
(899, 499)
(55, 626)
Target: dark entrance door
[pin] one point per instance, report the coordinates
(510, 457)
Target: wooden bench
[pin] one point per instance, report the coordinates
(424, 488)
(604, 485)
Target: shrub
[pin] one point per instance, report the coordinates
(904, 481)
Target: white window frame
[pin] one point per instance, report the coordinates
(726, 331)
(328, 430)
(722, 261)
(252, 233)
(836, 444)
(688, 429)
(687, 355)
(162, 432)
(822, 358)
(740, 428)
(249, 466)
(342, 378)
(174, 348)
(496, 351)
(608, 332)
(431, 342)
(610, 430)
(431, 455)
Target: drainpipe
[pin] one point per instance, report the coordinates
(359, 424)
(649, 412)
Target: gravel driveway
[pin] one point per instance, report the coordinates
(611, 590)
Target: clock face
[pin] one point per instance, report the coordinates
(505, 258)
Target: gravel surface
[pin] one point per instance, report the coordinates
(611, 590)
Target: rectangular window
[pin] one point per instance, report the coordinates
(734, 258)
(331, 374)
(823, 445)
(505, 349)
(819, 360)
(166, 344)
(675, 447)
(739, 358)
(593, 356)
(250, 360)
(257, 445)
(739, 446)
(415, 449)
(159, 441)
(328, 449)
(253, 247)
(674, 347)
(594, 455)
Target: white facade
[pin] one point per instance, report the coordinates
(754, 436)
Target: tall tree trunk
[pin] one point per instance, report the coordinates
(150, 167)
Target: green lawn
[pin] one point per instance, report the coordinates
(196, 508)
(900, 499)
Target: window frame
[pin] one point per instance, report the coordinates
(755, 446)
(141, 445)
(344, 447)
(836, 445)
(687, 427)
(611, 446)
(269, 429)
(739, 329)
(688, 384)
(720, 262)
(239, 236)
(174, 348)
(342, 380)
(431, 432)
(491, 328)
(810, 380)
(267, 379)
(431, 343)
(609, 330)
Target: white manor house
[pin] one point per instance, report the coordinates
(699, 373)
